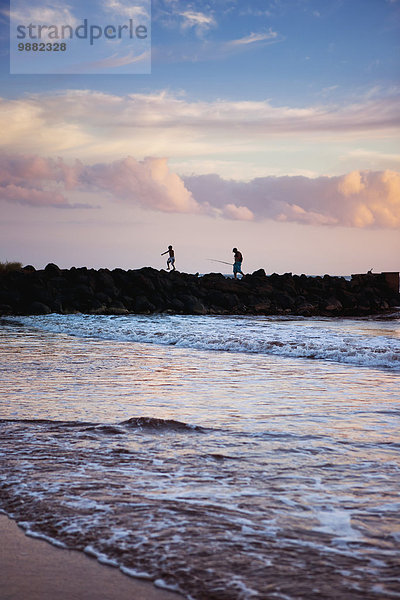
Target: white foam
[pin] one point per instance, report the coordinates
(363, 343)
(239, 584)
(42, 536)
(161, 583)
(135, 573)
(337, 522)
(102, 558)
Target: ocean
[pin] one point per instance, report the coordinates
(224, 457)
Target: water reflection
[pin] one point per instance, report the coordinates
(297, 466)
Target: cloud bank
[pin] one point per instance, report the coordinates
(37, 181)
(87, 124)
(357, 199)
(361, 199)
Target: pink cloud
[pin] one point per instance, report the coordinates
(357, 199)
(238, 213)
(32, 196)
(148, 183)
(44, 181)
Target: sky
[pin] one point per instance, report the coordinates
(271, 126)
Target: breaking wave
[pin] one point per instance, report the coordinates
(151, 424)
(365, 343)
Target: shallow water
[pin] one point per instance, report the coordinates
(225, 457)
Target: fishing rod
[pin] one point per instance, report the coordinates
(220, 261)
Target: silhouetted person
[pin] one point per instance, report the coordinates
(237, 266)
(171, 257)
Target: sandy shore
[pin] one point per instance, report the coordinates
(33, 569)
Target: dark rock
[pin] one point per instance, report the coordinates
(176, 305)
(221, 299)
(5, 309)
(116, 310)
(148, 290)
(259, 273)
(212, 279)
(10, 297)
(103, 298)
(283, 300)
(307, 310)
(105, 282)
(192, 305)
(56, 306)
(52, 269)
(38, 308)
(263, 308)
(333, 305)
(142, 305)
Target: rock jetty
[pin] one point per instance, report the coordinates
(147, 290)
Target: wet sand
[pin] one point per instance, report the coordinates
(34, 569)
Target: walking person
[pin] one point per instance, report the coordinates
(171, 257)
(237, 265)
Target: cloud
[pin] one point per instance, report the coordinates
(237, 213)
(127, 9)
(45, 12)
(149, 184)
(34, 181)
(91, 124)
(373, 159)
(254, 38)
(197, 20)
(37, 181)
(351, 184)
(115, 60)
(31, 196)
(192, 19)
(361, 199)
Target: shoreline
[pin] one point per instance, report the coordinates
(33, 568)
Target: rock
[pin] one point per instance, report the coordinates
(5, 310)
(283, 300)
(333, 305)
(221, 299)
(192, 305)
(38, 308)
(262, 308)
(10, 297)
(103, 298)
(116, 310)
(176, 305)
(147, 290)
(142, 305)
(306, 310)
(52, 269)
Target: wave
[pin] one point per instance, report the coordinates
(141, 423)
(160, 424)
(368, 343)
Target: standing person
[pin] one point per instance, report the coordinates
(171, 257)
(237, 266)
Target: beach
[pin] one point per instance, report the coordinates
(32, 568)
(226, 458)
(200, 300)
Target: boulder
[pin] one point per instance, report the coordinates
(333, 305)
(143, 306)
(38, 308)
(52, 269)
